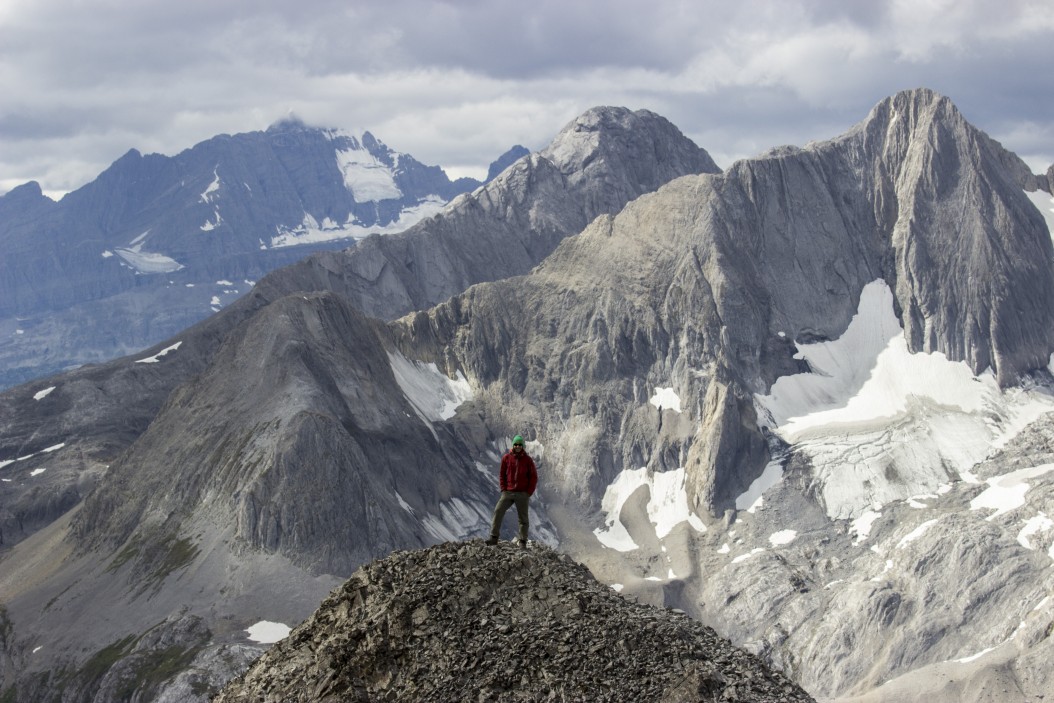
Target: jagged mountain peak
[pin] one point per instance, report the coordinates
(462, 621)
(614, 132)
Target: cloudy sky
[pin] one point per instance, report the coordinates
(457, 82)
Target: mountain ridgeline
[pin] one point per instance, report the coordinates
(355, 403)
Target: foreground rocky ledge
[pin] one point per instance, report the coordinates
(464, 621)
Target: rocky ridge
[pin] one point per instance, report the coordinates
(465, 621)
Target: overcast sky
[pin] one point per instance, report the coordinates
(456, 83)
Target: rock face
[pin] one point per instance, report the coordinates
(304, 420)
(464, 621)
(158, 243)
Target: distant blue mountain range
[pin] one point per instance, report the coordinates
(157, 243)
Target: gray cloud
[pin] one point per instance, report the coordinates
(456, 82)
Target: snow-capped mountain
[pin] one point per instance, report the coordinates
(805, 400)
(157, 243)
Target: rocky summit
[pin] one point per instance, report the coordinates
(463, 621)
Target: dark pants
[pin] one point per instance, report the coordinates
(520, 498)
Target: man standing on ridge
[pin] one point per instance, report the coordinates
(518, 478)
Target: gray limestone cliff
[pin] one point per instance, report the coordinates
(706, 284)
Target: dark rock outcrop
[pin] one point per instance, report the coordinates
(505, 160)
(464, 621)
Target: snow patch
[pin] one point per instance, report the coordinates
(666, 399)
(36, 472)
(433, 395)
(916, 533)
(744, 557)
(967, 660)
(1035, 525)
(157, 357)
(148, 262)
(366, 177)
(861, 526)
(783, 537)
(311, 232)
(1007, 492)
(40, 395)
(667, 506)
(751, 499)
(212, 224)
(882, 424)
(266, 632)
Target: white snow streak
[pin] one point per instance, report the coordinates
(751, 499)
(311, 232)
(207, 196)
(861, 526)
(433, 395)
(40, 395)
(157, 357)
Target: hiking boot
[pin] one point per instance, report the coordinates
(522, 543)
(492, 540)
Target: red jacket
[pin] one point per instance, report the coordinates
(518, 473)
